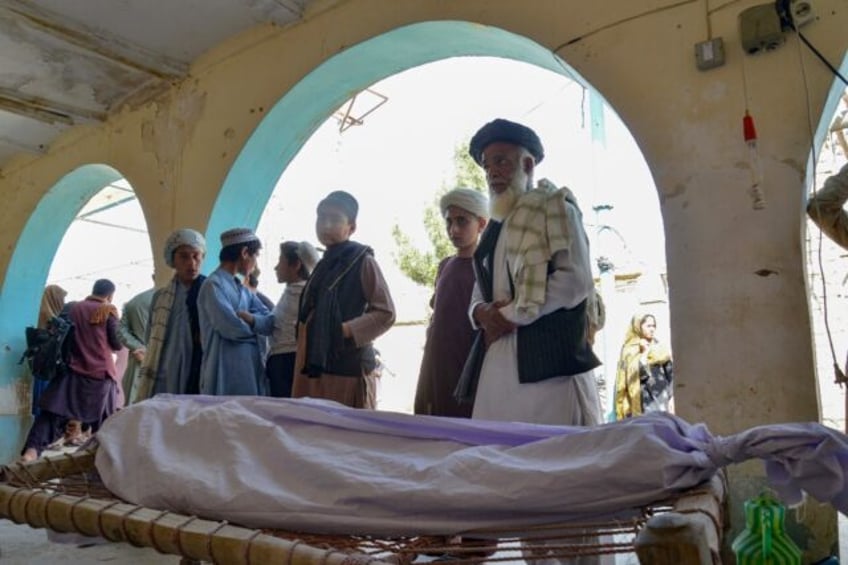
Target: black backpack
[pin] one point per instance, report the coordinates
(48, 349)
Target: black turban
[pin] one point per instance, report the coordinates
(343, 200)
(507, 132)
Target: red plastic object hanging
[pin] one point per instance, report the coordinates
(748, 129)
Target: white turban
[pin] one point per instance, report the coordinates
(468, 199)
(185, 236)
(308, 255)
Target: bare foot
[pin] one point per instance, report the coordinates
(29, 455)
(73, 430)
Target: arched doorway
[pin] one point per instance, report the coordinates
(282, 135)
(79, 205)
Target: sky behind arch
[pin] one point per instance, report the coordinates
(400, 157)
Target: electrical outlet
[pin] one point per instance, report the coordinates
(802, 12)
(794, 13)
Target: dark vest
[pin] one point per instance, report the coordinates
(333, 295)
(556, 344)
(193, 383)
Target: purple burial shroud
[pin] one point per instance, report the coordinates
(317, 466)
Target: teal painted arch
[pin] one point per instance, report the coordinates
(27, 273)
(296, 116)
(831, 104)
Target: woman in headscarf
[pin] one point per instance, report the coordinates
(52, 303)
(643, 381)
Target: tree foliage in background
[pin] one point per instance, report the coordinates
(420, 265)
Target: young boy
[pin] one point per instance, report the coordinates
(297, 260)
(344, 307)
(231, 318)
(449, 335)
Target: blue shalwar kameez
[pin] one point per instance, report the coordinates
(232, 362)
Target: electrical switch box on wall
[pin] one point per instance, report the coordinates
(709, 54)
(760, 28)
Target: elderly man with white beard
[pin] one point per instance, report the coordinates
(533, 285)
(533, 361)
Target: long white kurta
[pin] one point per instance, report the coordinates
(174, 371)
(570, 400)
(232, 363)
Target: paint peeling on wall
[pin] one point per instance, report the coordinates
(15, 397)
(169, 132)
(678, 190)
(795, 166)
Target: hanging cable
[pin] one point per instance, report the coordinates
(821, 57)
(787, 22)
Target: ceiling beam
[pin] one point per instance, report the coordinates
(103, 44)
(296, 10)
(45, 110)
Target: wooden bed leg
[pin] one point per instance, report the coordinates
(672, 538)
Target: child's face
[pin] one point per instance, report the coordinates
(246, 262)
(462, 227)
(332, 225)
(287, 272)
(187, 262)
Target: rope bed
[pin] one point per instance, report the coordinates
(64, 494)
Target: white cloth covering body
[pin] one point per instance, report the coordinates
(317, 466)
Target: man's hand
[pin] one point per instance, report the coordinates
(493, 323)
(138, 354)
(246, 316)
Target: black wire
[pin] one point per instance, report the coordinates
(784, 12)
(833, 69)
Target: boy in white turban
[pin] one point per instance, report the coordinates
(449, 335)
(172, 359)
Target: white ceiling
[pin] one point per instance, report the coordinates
(68, 62)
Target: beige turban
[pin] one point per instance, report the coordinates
(468, 199)
(182, 237)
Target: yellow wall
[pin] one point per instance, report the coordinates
(742, 347)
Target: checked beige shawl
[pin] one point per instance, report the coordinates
(537, 228)
(163, 302)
